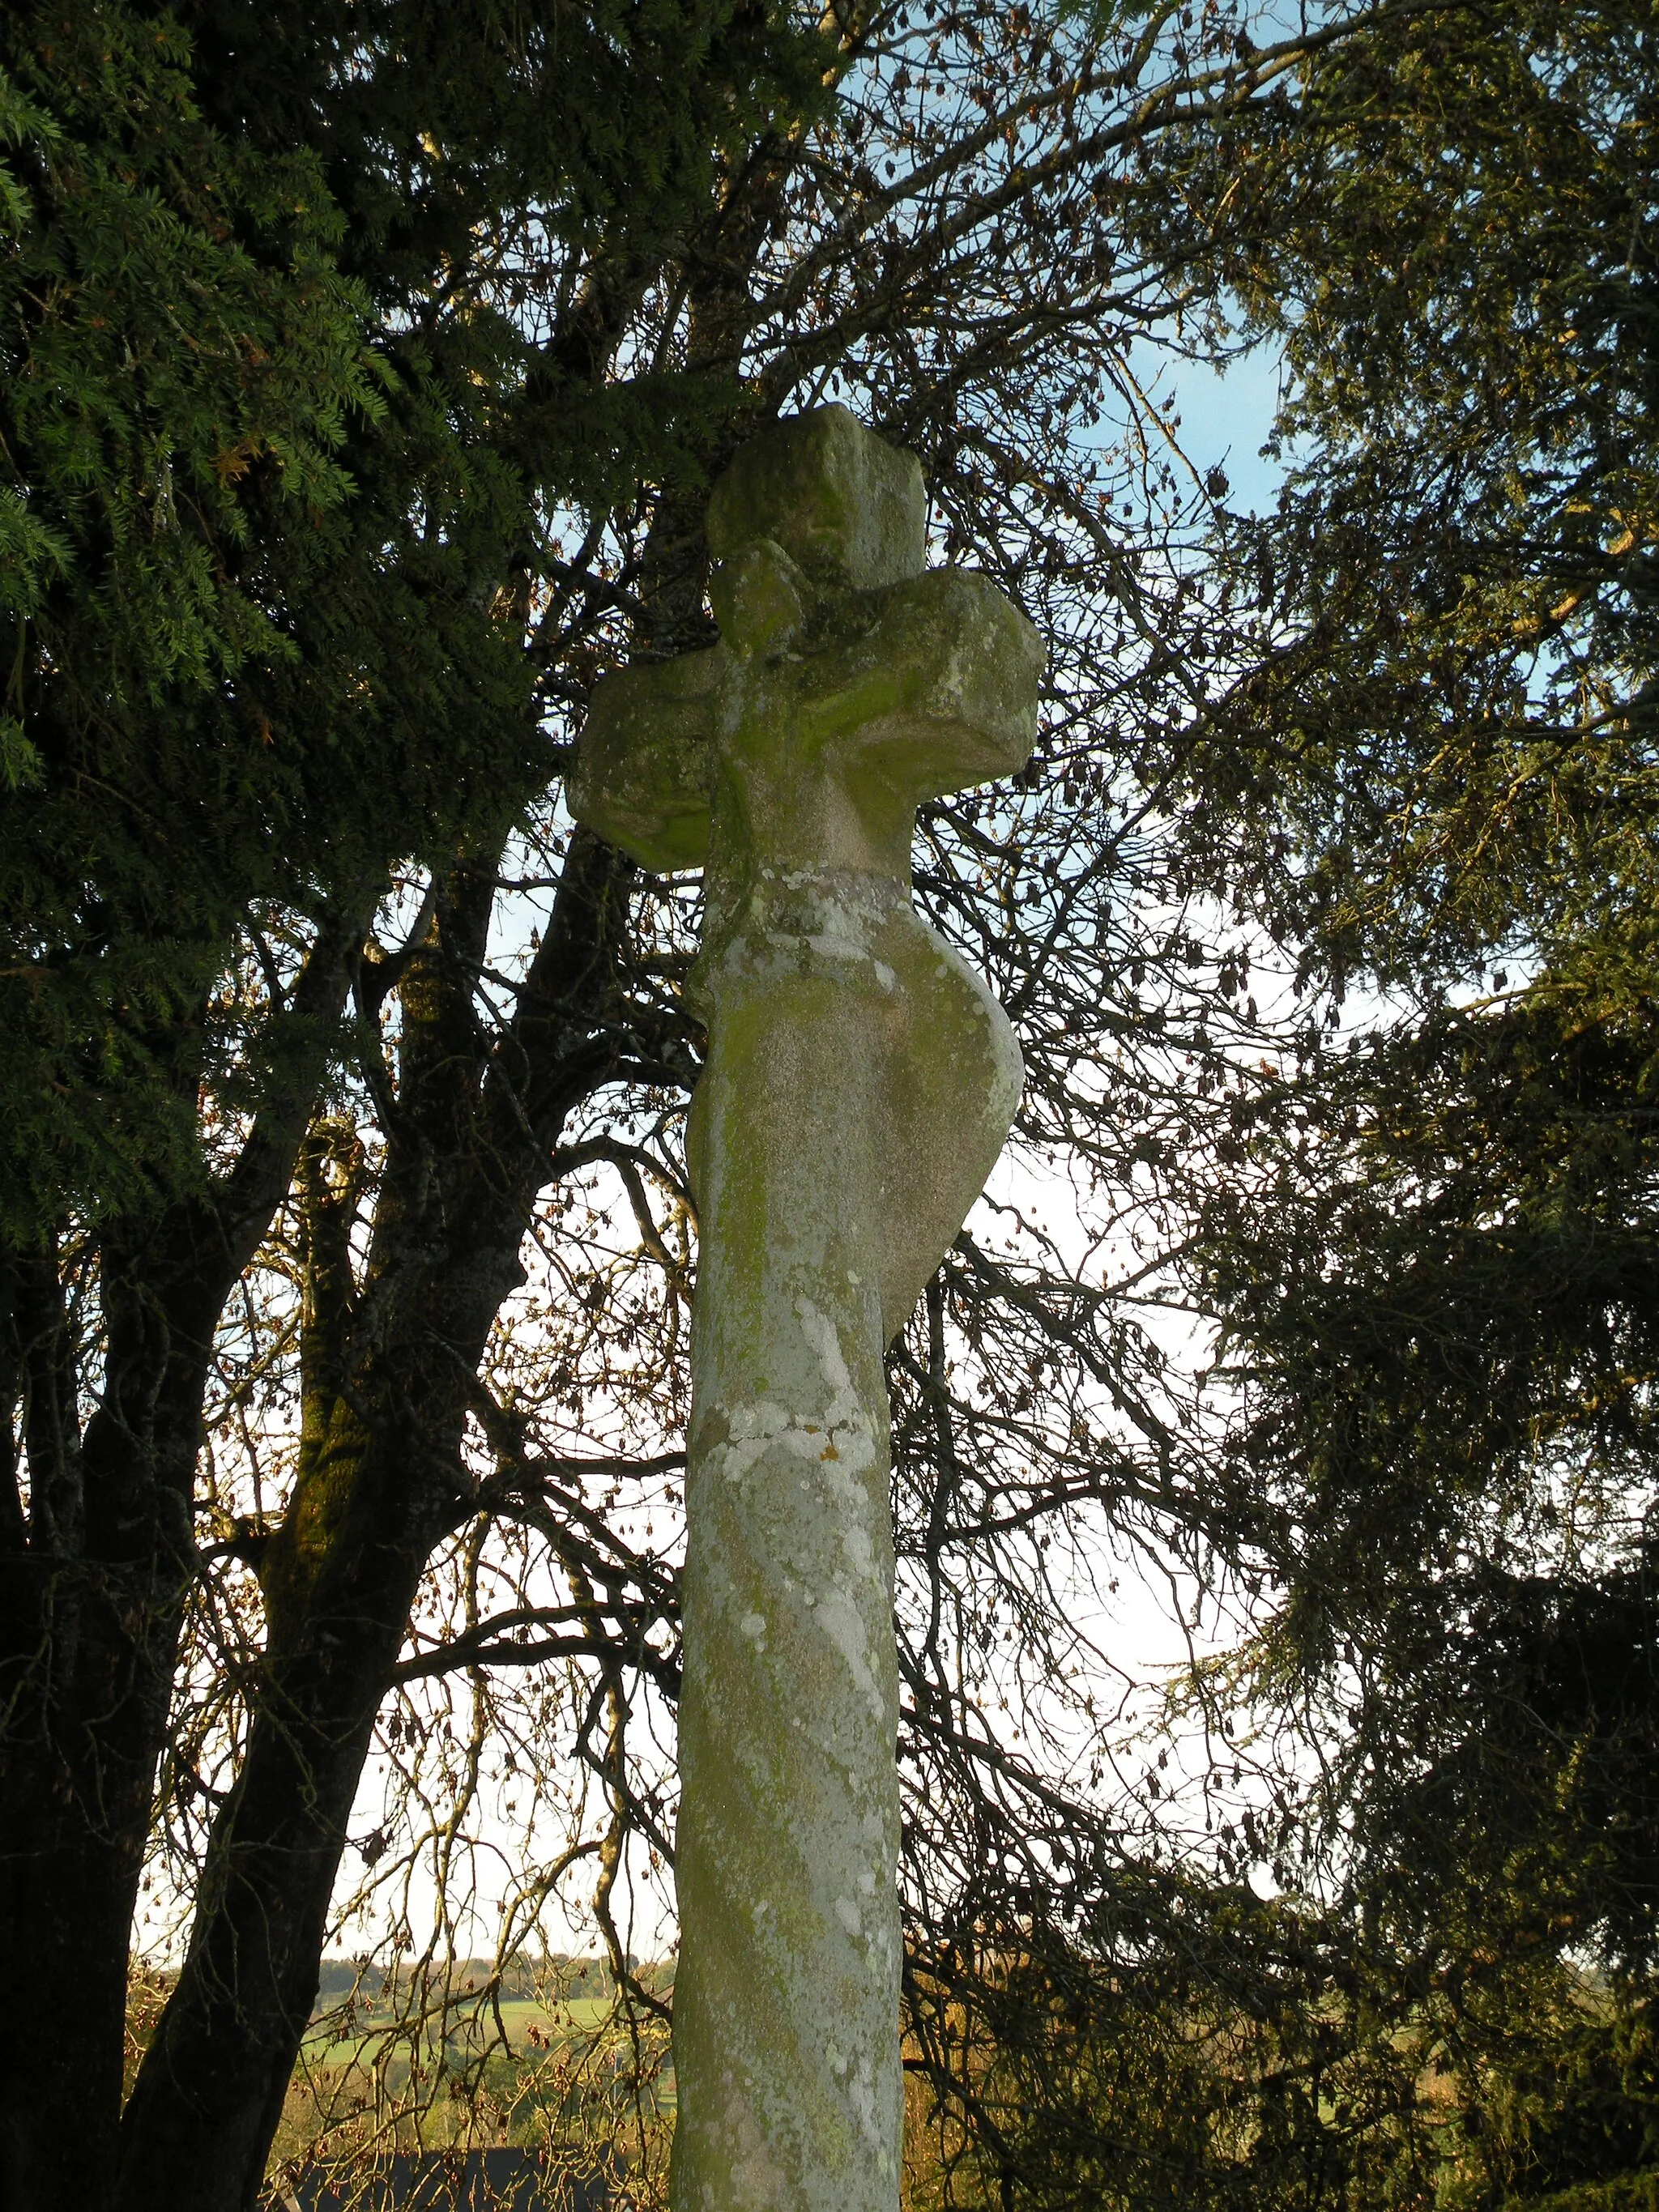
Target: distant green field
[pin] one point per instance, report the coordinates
(576, 2016)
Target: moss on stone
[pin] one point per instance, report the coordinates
(860, 1081)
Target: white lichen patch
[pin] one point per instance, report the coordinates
(821, 1333)
(839, 1437)
(861, 2095)
(848, 1423)
(855, 1542)
(749, 1429)
(841, 1623)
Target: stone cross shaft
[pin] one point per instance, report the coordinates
(859, 1084)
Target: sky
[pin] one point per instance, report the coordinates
(1226, 416)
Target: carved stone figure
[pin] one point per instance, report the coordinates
(859, 1084)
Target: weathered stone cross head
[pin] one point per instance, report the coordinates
(860, 1082)
(850, 683)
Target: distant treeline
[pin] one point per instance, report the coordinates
(563, 1974)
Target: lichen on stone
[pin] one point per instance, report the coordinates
(859, 1082)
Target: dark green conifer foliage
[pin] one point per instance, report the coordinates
(1437, 1256)
(178, 352)
(276, 487)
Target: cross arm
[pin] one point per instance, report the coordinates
(645, 765)
(939, 693)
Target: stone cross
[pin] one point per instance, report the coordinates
(859, 1084)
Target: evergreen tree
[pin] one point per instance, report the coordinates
(1435, 1250)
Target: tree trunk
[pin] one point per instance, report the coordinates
(389, 1373)
(467, 1152)
(198, 2126)
(91, 1606)
(93, 1583)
